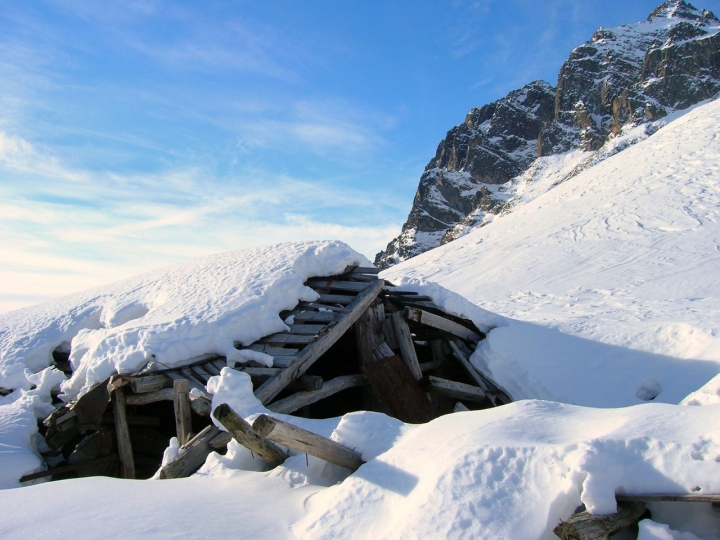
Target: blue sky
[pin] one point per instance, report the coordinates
(134, 134)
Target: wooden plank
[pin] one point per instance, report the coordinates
(150, 383)
(195, 453)
(292, 339)
(123, 434)
(335, 299)
(211, 368)
(397, 389)
(586, 526)
(273, 351)
(441, 323)
(166, 394)
(243, 433)
(221, 441)
(320, 307)
(368, 332)
(194, 383)
(312, 316)
(352, 286)
(259, 371)
(306, 383)
(389, 333)
(436, 350)
(454, 389)
(679, 497)
(361, 270)
(306, 442)
(68, 468)
(430, 366)
(201, 406)
(460, 407)
(299, 400)
(181, 403)
(306, 329)
(192, 379)
(406, 345)
(201, 374)
(308, 355)
(457, 353)
(282, 361)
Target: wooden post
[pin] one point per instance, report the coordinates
(407, 347)
(181, 401)
(585, 526)
(307, 442)
(244, 434)
(123, 434)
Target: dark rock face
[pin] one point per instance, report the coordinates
(622, 76)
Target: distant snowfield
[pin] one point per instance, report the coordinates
(610, 280)
(607, 293)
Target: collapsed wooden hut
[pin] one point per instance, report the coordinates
(362, 345)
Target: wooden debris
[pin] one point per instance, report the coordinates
(221, 441)
(244, 434)
(406, 345)
(441, 323)
(123, 435)
(301, 399)
(586, 526)
(166, 394)
(430, 366)
(150, 383)
(181, 402)
(68, 468)
(394, 386)
(306, 442)
(454, 389)
(460, 407)
(195, 452)
(200, 405)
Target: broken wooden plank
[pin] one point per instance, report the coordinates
(306, 442)
(441, 323)
(292, 339)
(309, 354)
(395, 387)
(243, 433)
(68, 468)
(299, 400)
(306, 329)
(194, 455)
(123, 435)
(406, 345)
(335, 299)
(454, 389)
(181, 403)
(352, 286)
(150, 383)
(586, 526)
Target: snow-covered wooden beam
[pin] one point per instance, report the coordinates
(586, 526)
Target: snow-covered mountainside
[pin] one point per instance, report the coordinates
(622, 79)
(609, 280)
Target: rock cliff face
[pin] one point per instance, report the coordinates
(622, 77)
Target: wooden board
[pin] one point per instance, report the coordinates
(352, 286)
(441, 323)
(335, 299)
(312, 316)
(299, 400)
(454, 389)
(292, 339)
(406, 345)
(196, 451)
(309, 354)
(306, 329)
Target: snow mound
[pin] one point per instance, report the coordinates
(169, 316)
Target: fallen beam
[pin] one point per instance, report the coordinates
(306, 442)
(586, 526)
(454, 389)
(441, 323)
(470, 369)
(244, 434)
(194, 455)
(301, 399)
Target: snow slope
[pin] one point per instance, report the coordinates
(609, 280)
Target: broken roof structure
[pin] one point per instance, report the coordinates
(362, 344)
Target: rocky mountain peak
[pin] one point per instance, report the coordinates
(622, 77)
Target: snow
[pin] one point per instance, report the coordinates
(168, 316)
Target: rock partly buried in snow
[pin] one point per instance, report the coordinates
(169, 315)
(623, 77)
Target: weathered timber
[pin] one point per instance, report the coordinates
(389, 333)
(200, 405)
(181, 403)
(306, 329)
(166, 394)
(195, 452)
(406, 345)
(586, 526)
(397, 389)
(150, 383)
(176, 376)
(430, 366)
(335, 298)
(321, 307)
(454, 389)
(361, 270)
(301, 399)
(309, 354)
(306, 442)
(306, 383)
(312, 316)
(465, 363)
(436, 350)
(368, 332)
(338, 285)
(243, 433)
(460, 407)
(221, 441)
(192, 379)
(259, 372)
(211, 368)
(201, 375)
(677, 497)
(441, 323)
(292, 339)
(123, 435)
(68, 468)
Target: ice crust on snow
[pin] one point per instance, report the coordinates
(169, 316)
